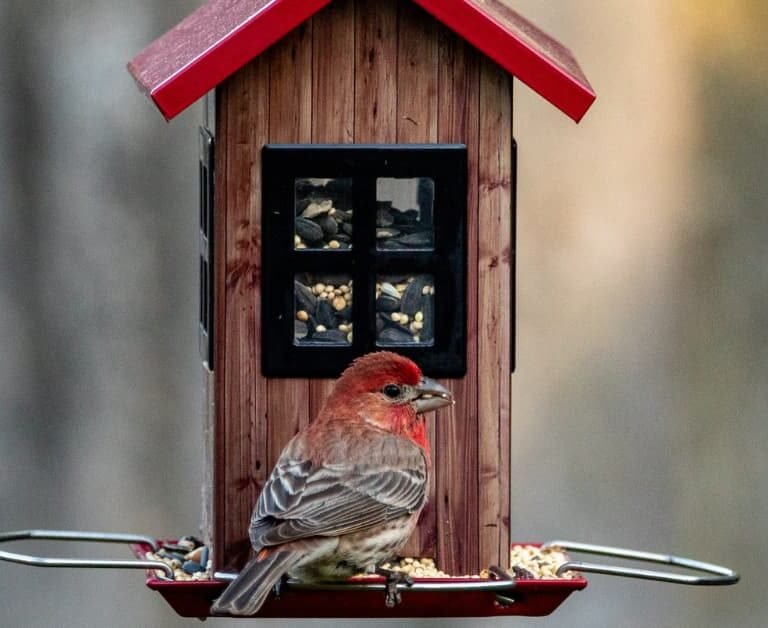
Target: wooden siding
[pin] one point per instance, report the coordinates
(368, 72)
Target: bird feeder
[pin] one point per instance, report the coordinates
(357, 193)
(357, 174)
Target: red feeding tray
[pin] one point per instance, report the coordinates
(428, 597)
(356, 598)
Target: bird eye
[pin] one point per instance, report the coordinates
(392, 391)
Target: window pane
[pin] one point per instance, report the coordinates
(405, 310)
(322, 309)
(323, 209)
(404, 214)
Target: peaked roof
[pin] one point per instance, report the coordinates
(223, 35)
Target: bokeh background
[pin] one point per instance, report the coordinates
(641, 389)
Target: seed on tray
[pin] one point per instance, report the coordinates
(533, 562)
(192, 566)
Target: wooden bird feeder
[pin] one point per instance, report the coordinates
(358, 177)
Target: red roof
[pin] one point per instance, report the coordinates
(223, 35)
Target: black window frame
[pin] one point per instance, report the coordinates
(446, 261)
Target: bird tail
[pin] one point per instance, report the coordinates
(246, 594)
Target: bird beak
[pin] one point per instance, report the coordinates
(430, 396)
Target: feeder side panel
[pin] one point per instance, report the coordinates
(417, 63)
(290, 121)
(456, 471)
(375, 72)
(333, 105)
(493, 328)
(241, 392)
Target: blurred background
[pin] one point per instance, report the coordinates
(642, 364)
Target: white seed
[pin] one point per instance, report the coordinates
(349, 337)
(418, 317)
(388, 288)
(302, 315)
(404, 319)
(396, 316)
(339, 303)
(318, 288)
(344, 328)
(334, 244)
(320, 328)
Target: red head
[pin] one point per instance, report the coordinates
(386, 390)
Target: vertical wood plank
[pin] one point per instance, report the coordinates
(375, 72)
(493, 339)
(456, 432)
(241, 392)
(333, 106)
(417, 57)
(290, 121)
(417, 71)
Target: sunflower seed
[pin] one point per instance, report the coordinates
(308, 230)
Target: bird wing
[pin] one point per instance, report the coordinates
(371, 483)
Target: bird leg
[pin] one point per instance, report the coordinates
(393, 597)
(278, 586)
(499, 573)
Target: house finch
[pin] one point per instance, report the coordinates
(347, 490)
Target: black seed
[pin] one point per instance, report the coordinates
(343, 238)
(344, 314)
(418, 239)
(330, 336)
(395, 335)
(412, 297)
(308, 230)
(346, 227)
(329, 226)
(305, 300)
(324, 313)
(301, 205)
(389, 244)
(387, 303)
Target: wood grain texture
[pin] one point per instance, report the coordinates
(333, 106)
(290, 121)
(494, 283)
(241, 393)
(456, 471)
(375, 72)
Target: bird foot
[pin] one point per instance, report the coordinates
(499, 573)
(393, 597)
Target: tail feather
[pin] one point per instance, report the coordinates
(246, 594)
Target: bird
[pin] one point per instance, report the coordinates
(347, 490)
